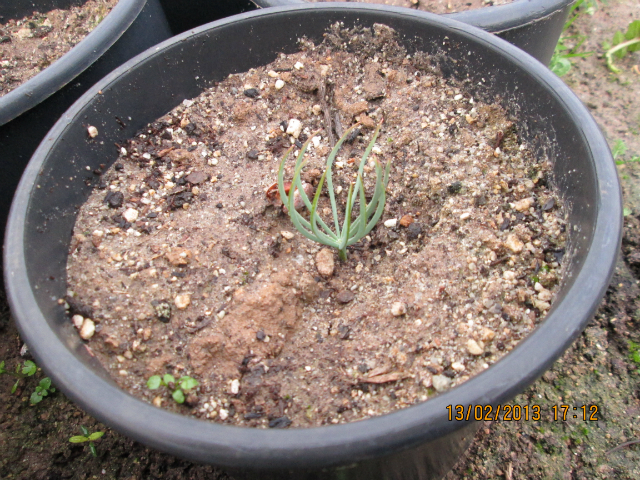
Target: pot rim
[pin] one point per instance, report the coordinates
(494, 19)
(334, 445)
(71, 64)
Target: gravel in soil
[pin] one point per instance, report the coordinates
(34, 439)
(433, 6)
(189, 268)
(30, 44)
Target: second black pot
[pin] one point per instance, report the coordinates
(419, 442)
(28, 112)
(531, 25)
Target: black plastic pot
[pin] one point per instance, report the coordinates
(185, 14)
(419, 442)
(532, 25)
(28, 112)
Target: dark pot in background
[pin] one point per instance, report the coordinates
(531, 25)
(419, 442)
(28, 112)
(185, 14)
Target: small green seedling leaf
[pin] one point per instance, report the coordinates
(187, 383)
(95, 435)
(168, 378)
(154, 382)
(29, 368)
(178, 396)
(79, 439)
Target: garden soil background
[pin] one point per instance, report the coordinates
(597, 370)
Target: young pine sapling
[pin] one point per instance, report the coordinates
(351, 231)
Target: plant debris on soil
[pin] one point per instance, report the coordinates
(597, 369)
(30, 44)
(185, 266)
(433, 6)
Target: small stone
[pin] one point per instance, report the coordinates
(288, 235)
(77, 320)
(235, 386)
(251, 92)
(549, 204)
(474, 348)
(253, 154)
(488, 334)
(88, 329)
(294, 127)
(524, 205)
(514, 244)
(414, 231)
(130, 215)
(391, 223)
(406, 220)
(458, 366)
(441, 383)
(114, 199)
(182, 301)
(345, 296)
(398, 309)
(279, 84)
(223, 414)
(316, 109)
(324, 262)
(454, 188)
(178, 256)
(281, 422)
(545, 295)
(92, 131)
(195, 178)
(157, 402)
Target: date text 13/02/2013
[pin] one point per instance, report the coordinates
(508, 413)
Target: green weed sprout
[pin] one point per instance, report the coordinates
(622, 44)
(28, 369)
(86, 437)
(184, 384)
(315, 228)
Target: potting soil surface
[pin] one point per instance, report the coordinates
(185, 263)
(433, 6)
(599, 368)
(31, 44)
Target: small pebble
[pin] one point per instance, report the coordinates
(441, 383)
(92, 131)
(235, 386)
(182, 301)
(130, 215)
(324, 262)
(294, 128)
(88, 329)
(345, 296)
(514, 244)
(391, 223)
(77, 321)
(474, 347)
(279, 84)
(398, 309)
(288, 235)
(223, 414)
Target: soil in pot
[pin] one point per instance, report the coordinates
(433, 6)
(30, 44)
(181, 264)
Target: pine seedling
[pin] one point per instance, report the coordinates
(351, 231)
